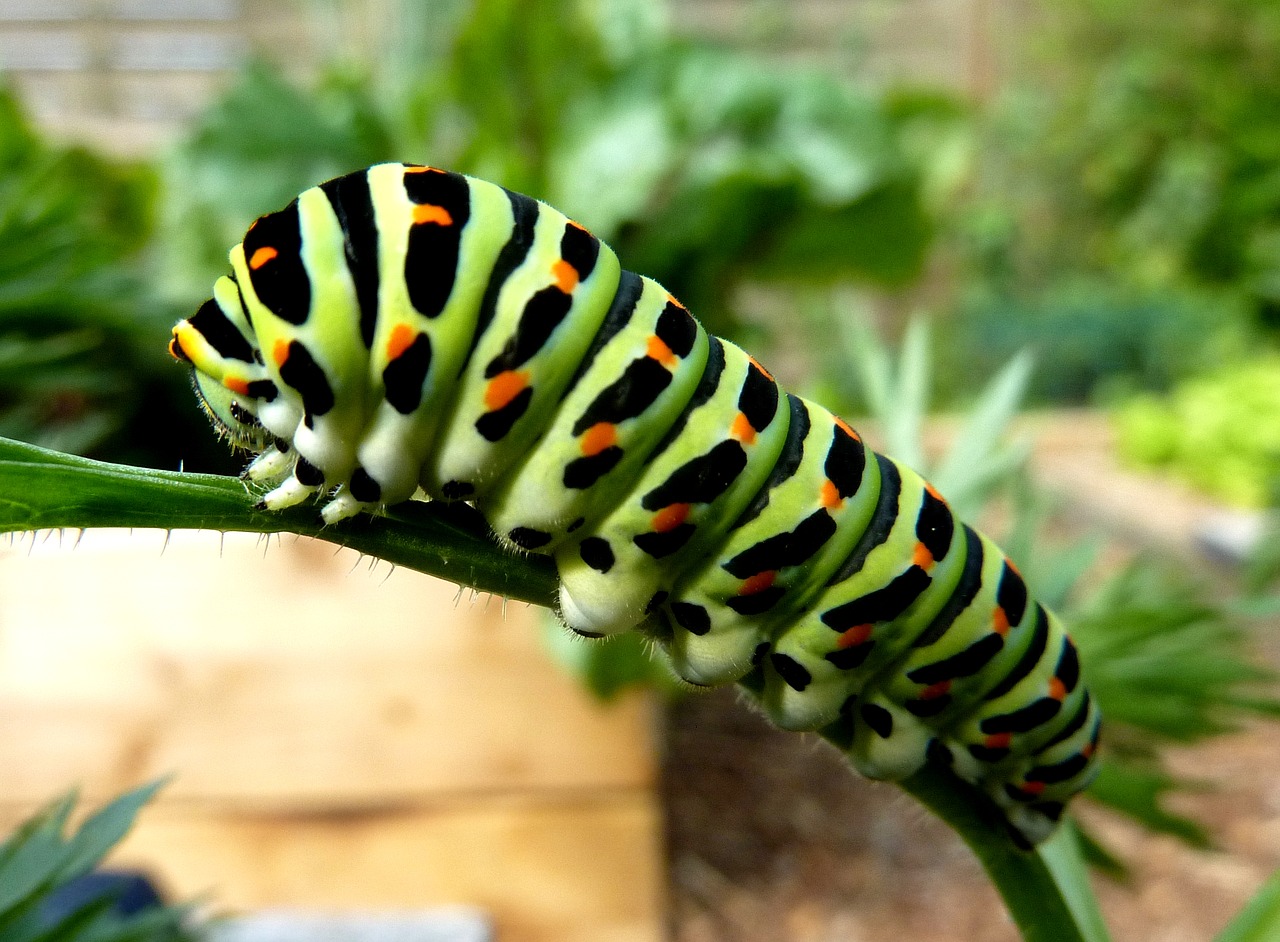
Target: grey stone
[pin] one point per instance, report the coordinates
(453, 924)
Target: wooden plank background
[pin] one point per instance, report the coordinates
(337, 736)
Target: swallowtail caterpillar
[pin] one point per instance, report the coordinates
(403, 327)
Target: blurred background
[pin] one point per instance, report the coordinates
(1032, 246)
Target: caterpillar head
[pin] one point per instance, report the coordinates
(226, 368)
(230, 413)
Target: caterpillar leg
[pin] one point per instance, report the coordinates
(588, 616)
(271, 465)
(289, 494)
(305, 481)
(341, 507)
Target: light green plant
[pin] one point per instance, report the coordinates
(1219, 432)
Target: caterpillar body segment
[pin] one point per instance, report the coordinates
(688, 494)
(795, 533)
(403, 327)
(648, 358)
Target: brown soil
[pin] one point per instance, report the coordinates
(772, 837)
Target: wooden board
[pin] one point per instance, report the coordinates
(335, 734)
(574, 871)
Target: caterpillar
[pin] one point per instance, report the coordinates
(403, 327)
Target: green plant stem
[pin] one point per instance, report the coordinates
(46, 490)
(1046, 890)
(42, 490)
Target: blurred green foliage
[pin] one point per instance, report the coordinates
(40, 857)
(1170, 167)
(1170, 664)
(81, 334)
(1117, 211)
(1125, 217)
(68, 222)
(1096, 340)
(1219, 432)
(702, 166)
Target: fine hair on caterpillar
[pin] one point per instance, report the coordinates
(403, 327)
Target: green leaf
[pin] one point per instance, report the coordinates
(897, 398)
(106, 828)
(34, 861)
(910, 400)
(39, 858)
(980, 462)
(1165, 661)
(979, 443)
(612, 159)
(1259, 921)
(1139, 793)
(35, 858)
(869, 358)
(881, 238)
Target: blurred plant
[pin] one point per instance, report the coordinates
(1220, 432)
(1160, 125)
(78, 331)
(1128, 202)
(980, 461)
(1095, 339)
(38, 862)
(700, 165)
(68, 220)
(1170, 665)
